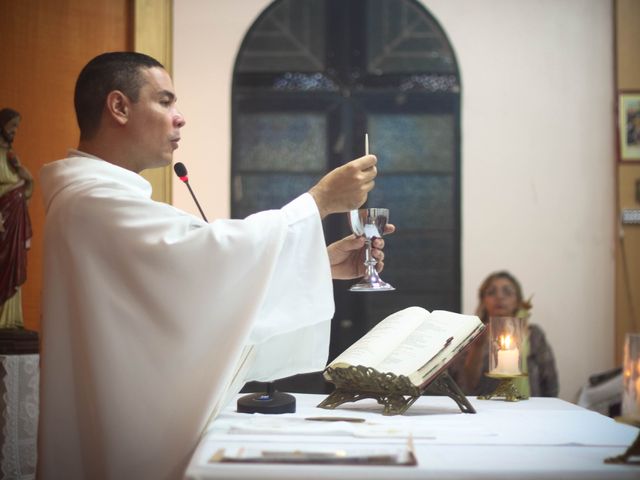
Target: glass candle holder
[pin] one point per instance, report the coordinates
(507, 336)
(630, 397)
(631, 377)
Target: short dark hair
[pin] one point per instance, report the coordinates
(103, 74)
(6, 115)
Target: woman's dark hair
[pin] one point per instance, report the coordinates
(6, 115)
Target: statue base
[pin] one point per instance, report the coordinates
(18, 341)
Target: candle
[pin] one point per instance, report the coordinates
(637, 392)
(631, 377)
(508, 358)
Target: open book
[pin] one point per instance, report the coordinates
(412, 342)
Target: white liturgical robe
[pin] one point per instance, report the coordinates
(147, 311)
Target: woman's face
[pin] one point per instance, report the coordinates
(10, 128)
(500, 298)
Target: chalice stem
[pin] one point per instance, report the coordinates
(369, 261)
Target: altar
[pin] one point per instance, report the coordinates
(530, 439)
(19, 376)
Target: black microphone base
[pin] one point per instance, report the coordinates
(267, 402)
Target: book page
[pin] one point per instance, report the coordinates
(441, 330)
(383, 338)
(438, 362)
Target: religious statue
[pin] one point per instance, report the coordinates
(16, 187)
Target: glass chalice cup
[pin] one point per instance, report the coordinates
(369, 223)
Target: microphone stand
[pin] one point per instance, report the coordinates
(270, 401)
(181, 172)
(186, 182)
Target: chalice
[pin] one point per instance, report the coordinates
(370, 223)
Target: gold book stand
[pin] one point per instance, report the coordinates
(395, 392)
(632, 454)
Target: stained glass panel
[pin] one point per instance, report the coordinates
(404, 40)
(421, 261)
(289, 37)
(294, 142)
(413, 142)
(416, 201)
(258, 192)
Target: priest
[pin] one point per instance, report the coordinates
(153, 317)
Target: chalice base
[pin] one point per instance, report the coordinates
(377, 286)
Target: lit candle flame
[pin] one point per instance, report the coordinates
(505, 342)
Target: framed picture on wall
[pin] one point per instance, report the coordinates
(629, 126)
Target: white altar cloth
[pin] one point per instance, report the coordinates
(19, 401)
(533, 439)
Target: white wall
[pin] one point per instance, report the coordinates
(537, 150)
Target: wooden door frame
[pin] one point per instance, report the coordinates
(153, 35)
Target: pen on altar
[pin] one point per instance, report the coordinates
(449, 340)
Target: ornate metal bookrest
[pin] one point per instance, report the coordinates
(395, 392)
(632, 454)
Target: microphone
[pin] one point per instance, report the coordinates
(181, 172)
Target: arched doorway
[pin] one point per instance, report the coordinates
(311, 77)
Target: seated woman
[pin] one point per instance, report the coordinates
(501, 295)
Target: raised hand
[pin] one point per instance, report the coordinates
(345, 187)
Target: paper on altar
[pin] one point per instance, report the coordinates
(491, 427)
(377, 426)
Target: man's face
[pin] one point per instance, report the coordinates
(10, 128)
(155, 122)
